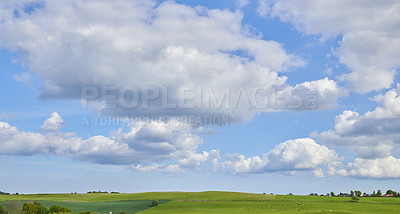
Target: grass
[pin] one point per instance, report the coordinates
(212, 202)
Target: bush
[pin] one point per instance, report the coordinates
(29, 208)
(123, 212)
(354, 198)
(86, 212)
(154, 203)
(40, 208)
(58, 209)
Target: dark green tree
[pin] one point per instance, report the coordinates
(379, 193)
(373, 193)
(333, 194)
(352, 193)
(358, 193)
(391, 192)
(154, 203)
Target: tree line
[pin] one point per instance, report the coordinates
(15, 207)
(360, 194)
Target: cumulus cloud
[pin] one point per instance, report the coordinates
(156, 146)
(209, 160)
(384, 119)
(373, 137)
(239, 164)
(388, 167)
(144, 143)
(302, 154)
(319, 94)
(54, 123)
(77, 44)
(370, 37)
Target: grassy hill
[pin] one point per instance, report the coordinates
(210, 202)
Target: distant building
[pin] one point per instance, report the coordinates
(388, 195)
(344, 195)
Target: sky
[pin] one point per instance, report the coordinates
(263, 96)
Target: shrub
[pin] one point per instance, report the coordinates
(86, 212)
(58, 209)
(29, 208)
(123, 212)
(154, 203)
(40, 208)
(354, 198)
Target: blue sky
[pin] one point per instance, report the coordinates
(328, 75)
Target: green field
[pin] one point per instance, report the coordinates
(210, 202)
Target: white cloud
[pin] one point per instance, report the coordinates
(162, 147)
(263, 7)
(302, 154)
(373, 137)
(242, 3)
(167, 169)
(384, 168)
(370, 41)
(145, 143)
(23, 77)
(54, 123)
(318, 94)
(239, 164)
(299, 154)
(75, 44)
(198, 161)
(384, 119)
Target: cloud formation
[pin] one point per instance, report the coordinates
(75, 44)
(144, 143)
(373, 137)
(161, 147)
(370, 39)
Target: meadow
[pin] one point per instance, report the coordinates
(210, 202)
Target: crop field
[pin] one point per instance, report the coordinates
(209, 202)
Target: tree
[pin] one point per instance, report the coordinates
(354, 198)
(154, 203)
(332, 194)
(379, 193)
(3, 209)
(373, 193)
(351, 193)
(391, 192)
(40, 208)
(86, 212)
(290, 193)
(29, 208)
(58, 209)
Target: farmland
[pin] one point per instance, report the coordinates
(209, 202)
